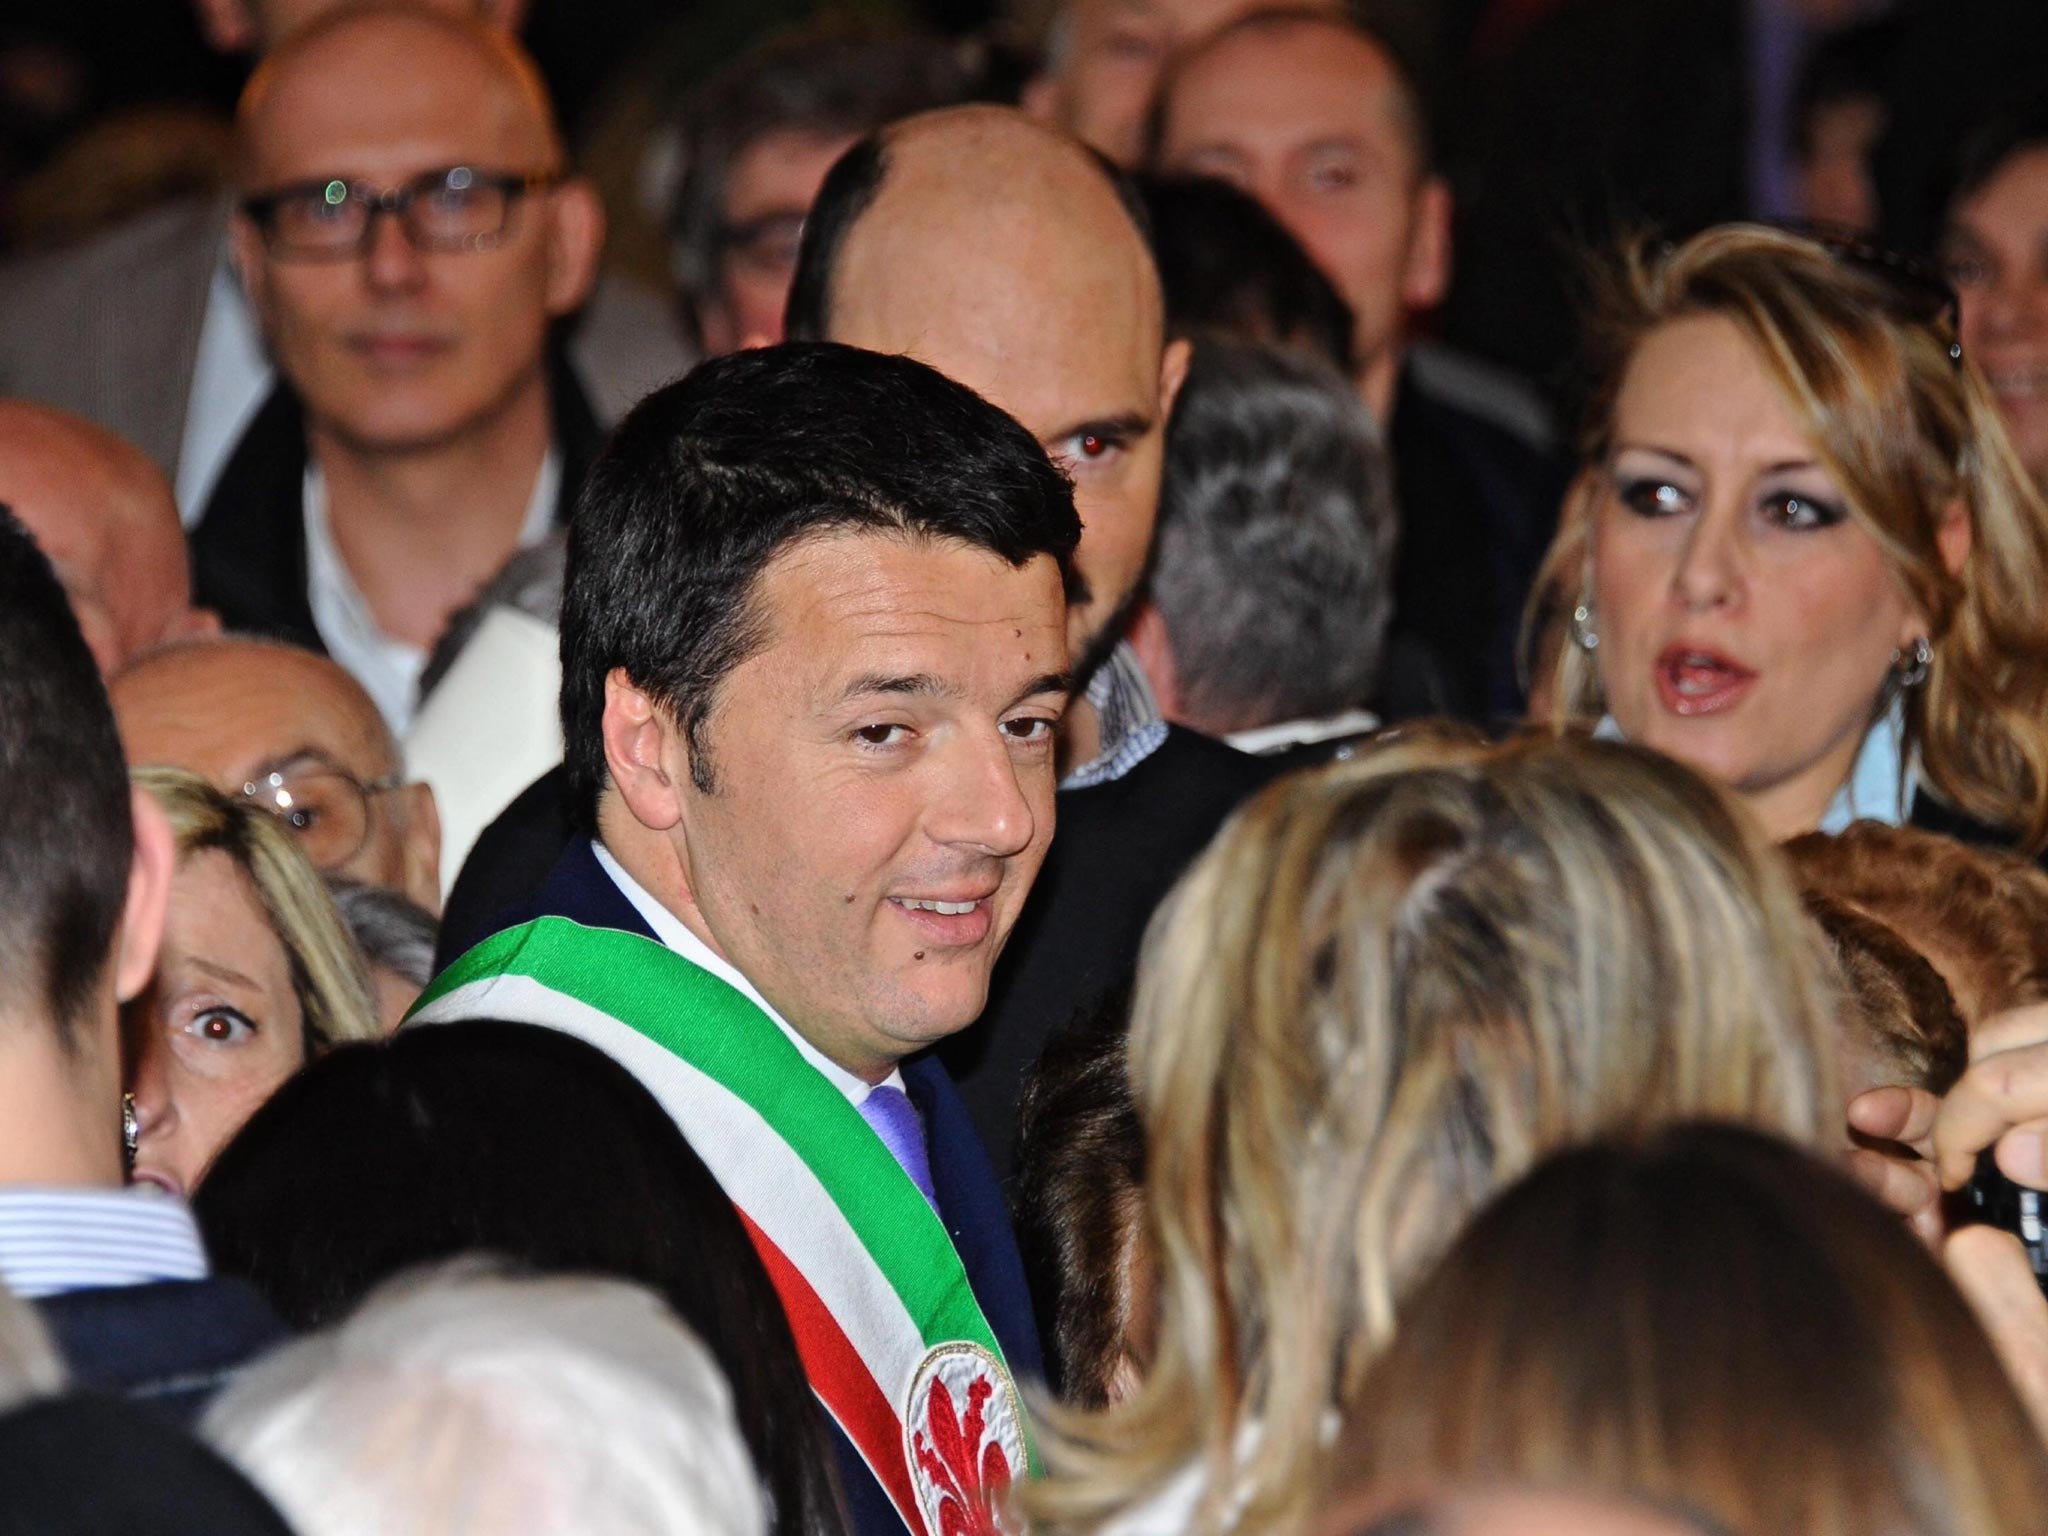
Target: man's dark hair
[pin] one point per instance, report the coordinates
(66, 834)
(816, 81)
(1411, 102)
(1273, 565)
(1230, 268)
(711, 477)
(2014, 131)
(850, 189)
(1854, 63)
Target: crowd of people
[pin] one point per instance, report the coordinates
(1023, 859)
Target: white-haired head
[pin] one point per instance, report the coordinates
(465, 1400)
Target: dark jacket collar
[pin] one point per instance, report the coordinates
(249, 545)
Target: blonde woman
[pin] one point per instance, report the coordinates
(257, 974)
(1802, 555)
(1381, 994)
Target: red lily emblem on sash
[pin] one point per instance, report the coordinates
(969, 1470)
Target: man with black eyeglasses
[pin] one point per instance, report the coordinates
(408, 237)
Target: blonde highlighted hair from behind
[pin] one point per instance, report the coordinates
(1908, 436)
(328, 974)
(1383, 992)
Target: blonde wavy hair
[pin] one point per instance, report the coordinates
(1908, 434)
(1383, 992)
(328, 975)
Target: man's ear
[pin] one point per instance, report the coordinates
(1043, 98)
(1426, 274)
(150, 868)
(1154, 649)
(422, 851)
(228, 25)
(1173, 372)
(637, 753)
(575, 242)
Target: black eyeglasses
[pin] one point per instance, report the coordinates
(458, 208)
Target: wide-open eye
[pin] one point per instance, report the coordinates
(1651, 495)
(1029, 729)
(220, 1025)
(1798, 511)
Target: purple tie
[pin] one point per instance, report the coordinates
(894, 1119)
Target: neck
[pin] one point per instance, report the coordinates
(1796, 805)
(60, 1115)
(654, 860)
(422, 529)
(1377, 382)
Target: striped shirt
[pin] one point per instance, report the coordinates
(57, 1240)
(1132, 726)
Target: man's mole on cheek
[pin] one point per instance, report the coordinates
(849, 898)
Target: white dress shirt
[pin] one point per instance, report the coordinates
(82, 1239)
(671, 931)
(388, 669)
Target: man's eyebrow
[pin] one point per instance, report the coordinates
(1130, 424)
(1051, 682)
(919, 684)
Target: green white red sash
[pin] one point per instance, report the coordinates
(892, 1338)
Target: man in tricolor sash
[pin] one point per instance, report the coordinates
(814, 657)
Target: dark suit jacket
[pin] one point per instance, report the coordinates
(970, 1201)
(1477, 509)
(171, 1345)
(249, 547)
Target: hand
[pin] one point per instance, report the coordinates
(2002, 1101)
(1894, 1131)
(1990, 1268)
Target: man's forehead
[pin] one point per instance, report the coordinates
(1303, 75)
(392, 100)
(253, 706)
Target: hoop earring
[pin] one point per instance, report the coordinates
(131, 1131)
(1584, 635)
(1909, 668)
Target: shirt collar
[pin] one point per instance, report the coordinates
(1302, 733)
(1132, 726)
(54, 1240)
(676, 935)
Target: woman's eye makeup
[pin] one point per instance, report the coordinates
(1651, 495)
(1799, 510)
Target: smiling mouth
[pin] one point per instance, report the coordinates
(2023, 383)
(947, 924)
(1697, 682)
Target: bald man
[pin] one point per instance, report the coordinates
(408, 236)
(1000, 252)
(297, 732)
(104, 516)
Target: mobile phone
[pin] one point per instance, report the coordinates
(1991, 1199)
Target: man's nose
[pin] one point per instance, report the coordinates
(390, 259)
(983, 805)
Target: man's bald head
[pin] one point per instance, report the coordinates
(391, 54)
(234, 709)
(1009, 257)
(105, 517)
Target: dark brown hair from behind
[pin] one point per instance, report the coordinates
(1710, 1316)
